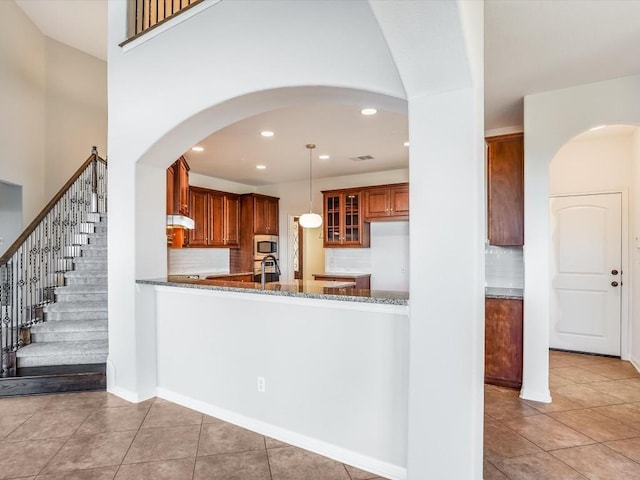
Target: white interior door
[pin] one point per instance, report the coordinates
(586, 234)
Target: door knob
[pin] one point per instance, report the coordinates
(614, 272)
(614, 284)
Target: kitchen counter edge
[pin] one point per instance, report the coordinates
(375, 296)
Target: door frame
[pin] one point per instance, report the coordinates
(627, 277)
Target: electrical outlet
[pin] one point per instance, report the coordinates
(261, 384)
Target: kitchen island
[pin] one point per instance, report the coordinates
(313, 364)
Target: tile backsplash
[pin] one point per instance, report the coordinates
(198, 260)
(504, 267)
(347, 260)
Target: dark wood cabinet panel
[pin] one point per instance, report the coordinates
(232, 219)
(260, 214)
(503, 342)
(344, 224)
(386, 202)
(505, 177)
(170, 189)
(199, 212)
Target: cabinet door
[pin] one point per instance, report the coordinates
(352, 218)
(332, 212)
(182, 175)
(503, 342)
(505, 166)
(216, 220)
(170, 189)
(232, 220)
(272, 216)
(399, 200)
(260, 218)
(199, 212)
(377, 202)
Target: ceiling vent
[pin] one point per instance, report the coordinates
(361, 158)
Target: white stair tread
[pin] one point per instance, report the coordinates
(83, 347)
(76, 307)
(71, 326)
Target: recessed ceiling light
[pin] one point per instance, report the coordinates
(267, 133)
(197, 149)
(261, 167)
(599, 127)
(324, 157)
(406, 144)
(368, 111)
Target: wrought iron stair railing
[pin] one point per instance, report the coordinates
(35, 263)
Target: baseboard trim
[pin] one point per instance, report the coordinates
(124, 393)
(542, 397)
(635, 362)
(364, 462)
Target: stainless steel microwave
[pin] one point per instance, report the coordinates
(265, 245)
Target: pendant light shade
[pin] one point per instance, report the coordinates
(310, 220)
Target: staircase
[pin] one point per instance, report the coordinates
(75, 328)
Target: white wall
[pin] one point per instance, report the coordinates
(592, 165)
(10, 214)
(313, 252)
(634, 231)
(346, 391)
(204, 181)
(264, 52)
(551, 119)
(76, 111)
(22, 115)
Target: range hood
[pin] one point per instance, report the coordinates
(180, 221)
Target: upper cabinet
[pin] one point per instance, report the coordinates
(505, 167)
(386, 202)
(216, 216)
(178, 188)
(260, 213)
(344, 224)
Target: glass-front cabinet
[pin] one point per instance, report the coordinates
(344, 224)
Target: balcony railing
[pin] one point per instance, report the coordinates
(147, 14)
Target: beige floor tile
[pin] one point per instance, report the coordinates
(223, 437)
(83, 452)
(537, 467)
(164, 443)
(24, 405)
(82, 400)
(599, 462)
(576, 359)
(29, 457)
(292, 463)
(233, 466)
(489, 472)
(586, 396)
(579, 375)
(559, 403)
(558, 381)
(546, 432)
(629, 448)
(164, 415)
(500, 441)
(273, 443)
(181, 469)
(112, 401)
(614, 371)
(357, 474)
(509, 408)
(50, 424)
(627, 413)
(627, 390)
(117, 419)
(595, 425)
(95, 474)
(8, 423)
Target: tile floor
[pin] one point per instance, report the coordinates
(97, 436)
(590, 431)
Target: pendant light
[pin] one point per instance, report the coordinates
(310, 220)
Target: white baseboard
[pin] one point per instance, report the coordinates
(635, 362)
(364, 462)
(542, 397)
(125, 394)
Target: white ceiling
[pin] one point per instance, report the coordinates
(530, 46)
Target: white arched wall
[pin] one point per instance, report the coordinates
(551, 119)
(168, 93)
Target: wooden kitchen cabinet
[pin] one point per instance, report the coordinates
(178, 188)
(344, 224)
(362, 281)
(216, 216)
(503, 342)
(505, 186)
(260, 214)
(386, 202)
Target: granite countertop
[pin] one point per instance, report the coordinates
(504, 292)
(342, 274)
(297, 288)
